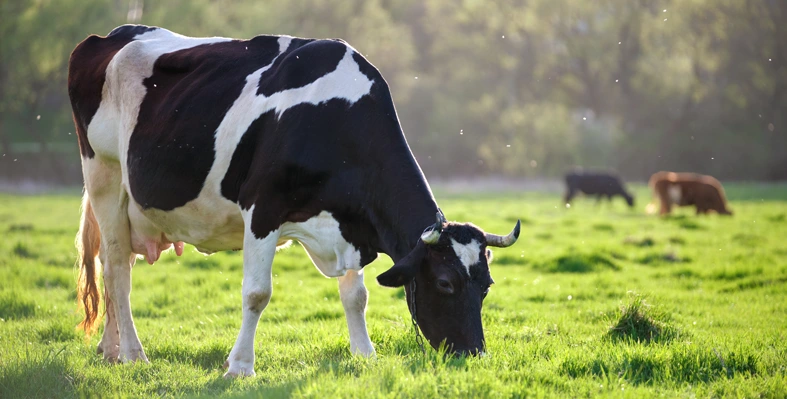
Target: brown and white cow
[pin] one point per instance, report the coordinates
(229, 144)
(684, 189)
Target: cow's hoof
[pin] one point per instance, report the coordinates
(365, 351)
(110, 354)
(239, 369)
(133, 356)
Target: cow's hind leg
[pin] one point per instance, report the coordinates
(110, 205)
(110, 340)
(257, 289)
(354, 297)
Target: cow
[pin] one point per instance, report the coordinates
(231, 144)
(599, 184)
(684, 189)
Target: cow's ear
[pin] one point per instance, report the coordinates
(403, 271)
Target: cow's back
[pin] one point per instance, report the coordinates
(594, 183)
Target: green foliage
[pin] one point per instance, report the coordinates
(521, 88)
(559, 320)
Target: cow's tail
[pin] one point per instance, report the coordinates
(88, 241)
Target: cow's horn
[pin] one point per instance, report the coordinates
(432, 233)
(494, 240)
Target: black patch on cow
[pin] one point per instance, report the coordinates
(238, 171)
(304, 62)
(130, 30)
(171, 149)
(87, 74)
(463, 233)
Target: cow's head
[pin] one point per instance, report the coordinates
(449, 270)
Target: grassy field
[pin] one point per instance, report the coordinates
(706, 296)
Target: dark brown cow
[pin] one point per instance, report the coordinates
(683, 189)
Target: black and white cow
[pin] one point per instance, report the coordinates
(229, 144)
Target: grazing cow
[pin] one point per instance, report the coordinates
(600, 184)
(683, 189)
(228, 144)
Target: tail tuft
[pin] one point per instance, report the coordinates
(88, 242)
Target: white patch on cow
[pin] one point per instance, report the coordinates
(284, 44)
(123, 91)
(468, 254)
(674, 193)
(345, 82)
(321, 237)
(257, 289)
(354, 298)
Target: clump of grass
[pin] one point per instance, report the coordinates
(578, 263)
(508, 260)
(603, 227)
(20, 228)
(640, 321)
(640, 242)
(21, 250)
(730, 274)
(677, 240)
(690, 225)
(544, 236)
(748, 240)
(662, 257)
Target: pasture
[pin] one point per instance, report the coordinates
(698, 306)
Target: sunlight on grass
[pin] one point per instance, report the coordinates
(567, 316)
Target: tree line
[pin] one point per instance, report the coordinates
(521, 88)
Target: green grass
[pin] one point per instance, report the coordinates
(592, 301)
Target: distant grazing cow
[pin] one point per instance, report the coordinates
(229, 144)
(683, 189)
(600, 184)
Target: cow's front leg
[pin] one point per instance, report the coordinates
(257, 289)
(354, 296)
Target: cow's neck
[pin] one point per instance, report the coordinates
(409, 207)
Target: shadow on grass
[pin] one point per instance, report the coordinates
(207, 357)
(656, 258)
(40, 375)
(689, 365)
(639, 242)
(220, 386)
(754, 284)
(14, 306)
